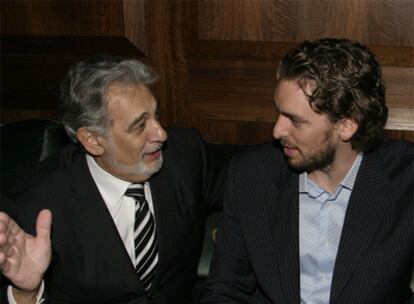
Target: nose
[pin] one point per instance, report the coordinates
(280, 127)
(158, 134)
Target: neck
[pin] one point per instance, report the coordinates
(329, 178)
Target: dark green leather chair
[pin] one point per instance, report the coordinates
(24, 144)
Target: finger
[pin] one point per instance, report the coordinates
(8, 225)
(4, 220)
(5, 265)
(44, 224)
(3, 239)
(4, 216)
(2, 259)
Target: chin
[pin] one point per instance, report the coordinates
(152, 168)
(294, 163)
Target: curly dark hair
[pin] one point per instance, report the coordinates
(346, 82)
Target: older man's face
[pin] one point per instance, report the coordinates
(134, 136)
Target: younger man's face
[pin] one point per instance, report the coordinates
(308, 138)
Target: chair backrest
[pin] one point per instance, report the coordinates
(24, 144)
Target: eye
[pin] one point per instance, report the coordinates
(296, 123)
(141, 125)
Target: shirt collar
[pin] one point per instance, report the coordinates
(348, 181)
(111, 188)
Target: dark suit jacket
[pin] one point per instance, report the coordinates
(90, 263)
(257, 254)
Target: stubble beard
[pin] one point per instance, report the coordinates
(318, 160)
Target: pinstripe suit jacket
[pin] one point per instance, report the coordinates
(257, 253)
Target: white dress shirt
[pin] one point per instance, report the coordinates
(121, 208)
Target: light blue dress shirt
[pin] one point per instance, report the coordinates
(321, 217)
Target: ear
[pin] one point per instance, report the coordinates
(347, 128)
(91, 142)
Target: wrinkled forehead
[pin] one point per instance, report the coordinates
(125, 102)
(119, 91)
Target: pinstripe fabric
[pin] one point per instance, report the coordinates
(257, 252)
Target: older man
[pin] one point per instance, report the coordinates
(124, 230)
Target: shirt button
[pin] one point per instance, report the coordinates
(327, 242)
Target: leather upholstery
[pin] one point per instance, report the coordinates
(25, 143)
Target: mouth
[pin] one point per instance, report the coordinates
(289, 150)
(154, 155)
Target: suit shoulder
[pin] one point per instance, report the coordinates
(183, 135)
(183, 141)
(397, 157)
(260, 151)
(262, 158)
(394, 152)
(57, 169)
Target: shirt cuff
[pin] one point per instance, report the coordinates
(39, 296)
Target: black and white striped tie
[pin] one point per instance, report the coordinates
(146, 249)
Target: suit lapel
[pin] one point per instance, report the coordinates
(283, 204)
(164, 199)
(366, 208)
(97, 226)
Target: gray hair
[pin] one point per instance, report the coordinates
(83, 90)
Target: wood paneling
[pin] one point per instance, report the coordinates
(234, 47)
(134, 23)
(166, 55)
(372, 22)
(42, 39)
(32, 68)
(62, 18)
(399, 84)
(400, 134)
(231, 101)
(216, 59)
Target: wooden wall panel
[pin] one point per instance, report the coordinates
(134, 23)
(165, 40)
(237, 132)
(374, 22)
(32, 68)
(53, 18)
(248, 20)
(40, 40)
(400, 134)
(234, 47)
(216, 59)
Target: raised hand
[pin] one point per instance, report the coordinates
(24, 258)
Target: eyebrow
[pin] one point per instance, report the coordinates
(293, 117)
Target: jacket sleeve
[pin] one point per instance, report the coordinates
(231, 279)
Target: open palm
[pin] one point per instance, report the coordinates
(25, 258)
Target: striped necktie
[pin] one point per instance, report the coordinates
(146, 249)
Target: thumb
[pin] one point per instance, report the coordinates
(44, 224)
